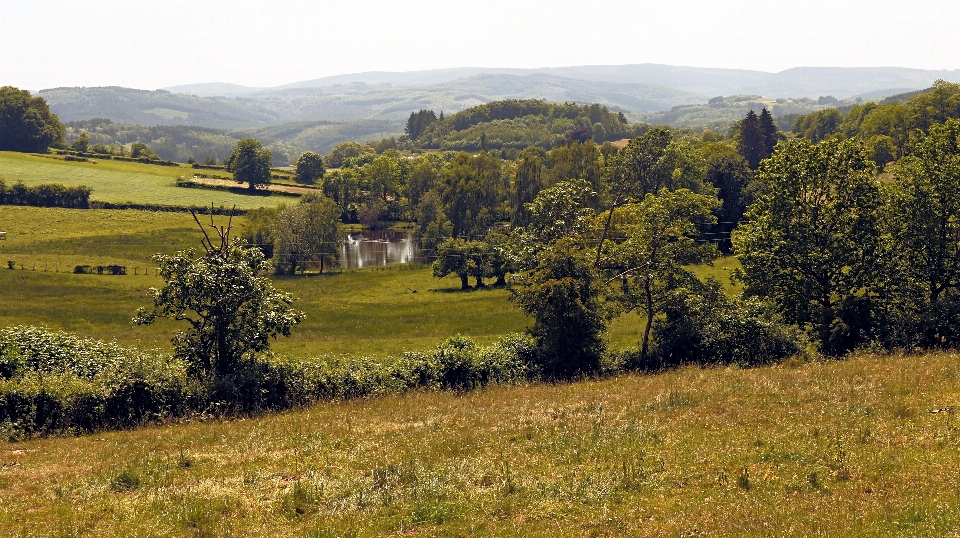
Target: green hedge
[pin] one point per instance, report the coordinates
(200, 210)
(49, 195)
(55, 383)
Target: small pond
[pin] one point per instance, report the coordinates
(378, 247)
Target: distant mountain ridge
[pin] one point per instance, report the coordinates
(316, 114)
(347, 102)
(841, 82)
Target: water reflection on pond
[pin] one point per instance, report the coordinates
(378, 247)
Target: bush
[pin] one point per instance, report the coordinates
(100, 269)
(701, 325)
(54, 382)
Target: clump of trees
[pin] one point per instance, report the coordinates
(758, 137)
(26, 123)
(853, 261)
(297, 236)
(250, 164)
(604, 236)
(888, 128)
(512, 125)
(178, 143)
(418, 123)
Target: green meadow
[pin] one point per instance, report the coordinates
(120, 182)
(865, 446)
(379, 311)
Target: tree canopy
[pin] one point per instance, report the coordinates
(812, 241)
(250, 163)
(232, 309)
(310, 168)
(26, 123)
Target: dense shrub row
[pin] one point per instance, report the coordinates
(169, 208)
(210, 176)
(190, 184)
(72, 155)
(100, 269)
(54, 382)
(145, 160)
(53, 195)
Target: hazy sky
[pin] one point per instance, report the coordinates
(150, 44)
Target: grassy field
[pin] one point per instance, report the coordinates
(845, 448)
(124, 182)
(369, 311)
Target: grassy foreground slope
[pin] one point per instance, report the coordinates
(845, 448)
(124, 182)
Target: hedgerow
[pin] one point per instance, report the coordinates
(58, 383)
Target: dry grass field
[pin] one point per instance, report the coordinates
(845, 448)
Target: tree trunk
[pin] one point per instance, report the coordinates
(464, 284)
(646, 329)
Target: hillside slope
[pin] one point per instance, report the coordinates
(847, 448)
(841, 82)
(347, 102)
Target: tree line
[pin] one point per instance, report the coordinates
(889, 127)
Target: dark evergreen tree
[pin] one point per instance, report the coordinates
(770, 132)
(752, 141)
(418, 123)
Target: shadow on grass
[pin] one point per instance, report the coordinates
(471, 289)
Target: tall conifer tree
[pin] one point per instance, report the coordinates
(752, 144)
(769, 129)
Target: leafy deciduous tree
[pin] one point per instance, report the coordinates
(306, 232)
(310, 168)
(26, 123)
(564, 294)
(649, 244)
(250, 163)
(923, 221)
(231, 307)
(812, 240)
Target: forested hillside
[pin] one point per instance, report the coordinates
(347, 102)
(800, 81)
(721, 112)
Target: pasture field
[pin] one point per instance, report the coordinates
(371, 311)
(125, 182)
(839, 448)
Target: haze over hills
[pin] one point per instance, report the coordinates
(841, 82)
(347, 102)
(317, 114)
